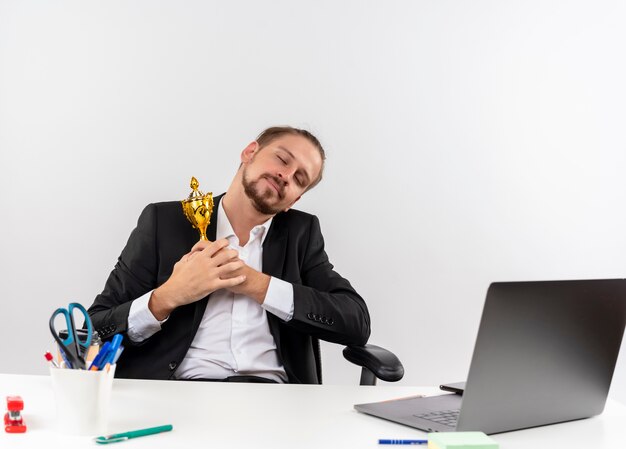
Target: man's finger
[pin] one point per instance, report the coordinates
(230, 267)
(215, 247)
(190, 256)
(225, 256)
(200, 246)
(232, 282)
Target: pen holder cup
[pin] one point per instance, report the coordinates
(82, 400)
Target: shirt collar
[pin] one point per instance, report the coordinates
(225, 230)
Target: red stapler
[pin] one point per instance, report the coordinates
(13, 422)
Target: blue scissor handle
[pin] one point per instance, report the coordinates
(70, 308)
(70, 345)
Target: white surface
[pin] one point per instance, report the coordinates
(269, 416)
(468, 142)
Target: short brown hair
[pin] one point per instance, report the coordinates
(273, 133)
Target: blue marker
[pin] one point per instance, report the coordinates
(115, 345)
(402, 441)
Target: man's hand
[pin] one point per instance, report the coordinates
(209, 266)
(255, 285)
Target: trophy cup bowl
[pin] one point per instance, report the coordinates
(198, 208)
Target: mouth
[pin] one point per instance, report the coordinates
(274, 185)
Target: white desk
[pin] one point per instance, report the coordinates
(223, 415)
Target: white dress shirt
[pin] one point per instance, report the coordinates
(234, 336)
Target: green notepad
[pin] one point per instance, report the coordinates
(460, 440)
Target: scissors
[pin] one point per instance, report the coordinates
(72, 348)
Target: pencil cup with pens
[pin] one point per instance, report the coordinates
(82, 387)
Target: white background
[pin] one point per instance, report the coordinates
(468, 142)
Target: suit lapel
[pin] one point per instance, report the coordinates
(274, 250)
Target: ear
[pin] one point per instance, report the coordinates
(291, 205)
(248, 152)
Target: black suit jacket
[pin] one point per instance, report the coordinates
(325, 304)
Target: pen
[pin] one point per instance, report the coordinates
(402, 441)
(50, 359)
(97, 361)
(132, 434)
(115, 345)
(68, 364)
(118, 354)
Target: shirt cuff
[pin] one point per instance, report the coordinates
(141, 323)
(279, 299)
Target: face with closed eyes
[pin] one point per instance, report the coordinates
(275, 176)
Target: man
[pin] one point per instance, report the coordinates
(250, 304)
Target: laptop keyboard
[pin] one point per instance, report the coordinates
(446, 417)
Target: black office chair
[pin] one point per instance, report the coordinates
(375, 362)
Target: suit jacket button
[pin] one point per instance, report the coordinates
(330, 322)
(309, 316)
(172, 366)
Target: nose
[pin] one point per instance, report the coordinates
(285, 175)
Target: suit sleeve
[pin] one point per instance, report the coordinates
(325, 305)
(133, 276)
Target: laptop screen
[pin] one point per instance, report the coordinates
(545, 353)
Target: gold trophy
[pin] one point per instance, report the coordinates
(198, 208)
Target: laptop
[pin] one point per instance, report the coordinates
(545, 353)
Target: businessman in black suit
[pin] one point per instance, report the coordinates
(251, 303)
